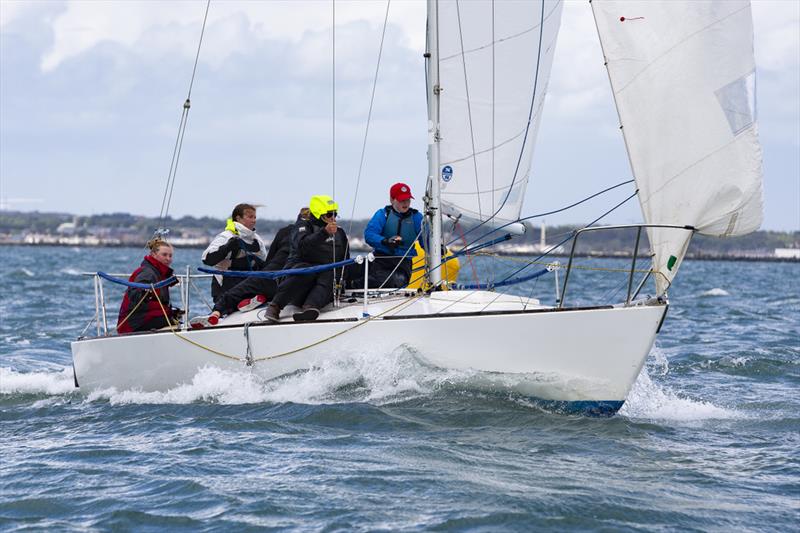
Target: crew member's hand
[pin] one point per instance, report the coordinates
(232, 245)
(391, 242)
(331, 228)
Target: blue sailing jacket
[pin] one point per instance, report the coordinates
(386, 222)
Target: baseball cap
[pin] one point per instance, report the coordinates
(400, 192)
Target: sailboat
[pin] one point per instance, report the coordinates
(683, 78)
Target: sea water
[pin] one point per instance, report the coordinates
(709, 438)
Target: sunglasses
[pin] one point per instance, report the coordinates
(331, 214)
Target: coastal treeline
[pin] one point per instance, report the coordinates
(14, 225)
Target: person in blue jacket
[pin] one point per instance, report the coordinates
(392, 232)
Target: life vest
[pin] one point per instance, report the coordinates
(150, 308)
(403, 225)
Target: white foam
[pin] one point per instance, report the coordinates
(27, 272)
(70, 272)
(715, 292)
(360, 377)
(209, 384)
(651, 401)
(13, 382)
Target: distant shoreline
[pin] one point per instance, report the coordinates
(602, 255)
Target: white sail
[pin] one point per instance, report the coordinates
(683, 77)
(494, 66)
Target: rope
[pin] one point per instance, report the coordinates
(190, 341)
(160, 285)
(283, 354)
(273, 274)
(504, 282)
(572, 234)
(141, 301)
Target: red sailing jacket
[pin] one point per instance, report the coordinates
(151, 271)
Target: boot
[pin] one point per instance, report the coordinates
(273, 313)
(308, 314)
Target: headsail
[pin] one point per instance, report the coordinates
(494, 66)
(683, 77)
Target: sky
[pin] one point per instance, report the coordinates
(91, 94)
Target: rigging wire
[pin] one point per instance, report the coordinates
(333, 98)
(333, 141)
(366, 129)
(369, 113)
(530, 116)
(176, 151)
(571, 236)
(538, 215)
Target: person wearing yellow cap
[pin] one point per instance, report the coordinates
(316, 241)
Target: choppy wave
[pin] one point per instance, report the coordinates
(50, 383)
(652, 401)
(715, 292)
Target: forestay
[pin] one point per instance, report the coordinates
(494, 66)
(683, 76)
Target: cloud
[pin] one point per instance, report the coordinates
(101, 84)
(776, 25)
(232, 27)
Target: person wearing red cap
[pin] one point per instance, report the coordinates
(391, 232)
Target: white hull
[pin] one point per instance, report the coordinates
(586, 357)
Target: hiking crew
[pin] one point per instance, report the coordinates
(140, 309)
(316, 241)
(239, 247)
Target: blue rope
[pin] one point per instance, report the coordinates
(166, 283)
(267, 274)
(503, 283)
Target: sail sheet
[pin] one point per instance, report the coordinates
(683, 77)
(494, 66)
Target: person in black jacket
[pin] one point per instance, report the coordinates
(317, 241)
(253, 292)
(239, 247)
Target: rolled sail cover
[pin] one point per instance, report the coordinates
(683, 77)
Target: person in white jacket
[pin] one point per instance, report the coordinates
(239, 247)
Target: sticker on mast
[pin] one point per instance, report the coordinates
(447, 173)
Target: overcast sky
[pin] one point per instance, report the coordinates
(91, 95)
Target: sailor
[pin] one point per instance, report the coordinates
(392, 232)
(253, 292)
(239, 247)
(316, 241)
(145, 309)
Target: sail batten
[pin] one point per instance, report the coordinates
(683, 77)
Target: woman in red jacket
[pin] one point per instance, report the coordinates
(140, 309)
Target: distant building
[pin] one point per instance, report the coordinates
(787, 253)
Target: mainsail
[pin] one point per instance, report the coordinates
(683, 77)
(494, 66)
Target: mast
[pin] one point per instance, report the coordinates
(433, 194)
